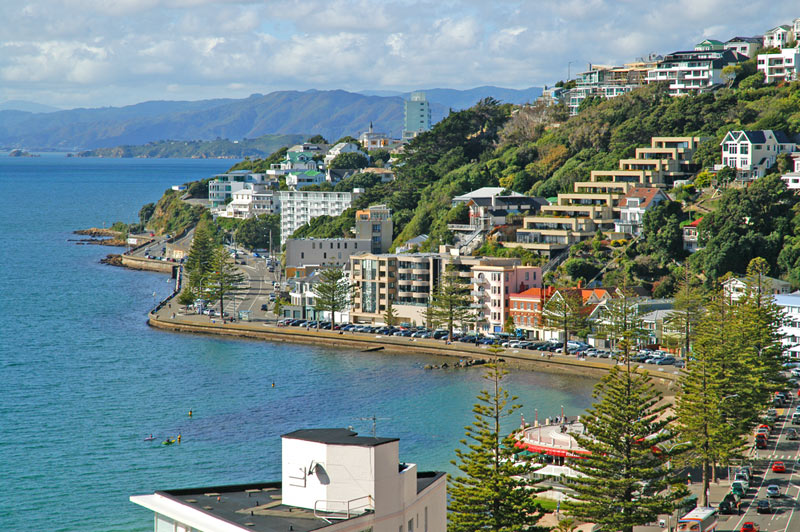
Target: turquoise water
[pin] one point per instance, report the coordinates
(83, 379)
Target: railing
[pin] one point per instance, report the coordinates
(347, 509)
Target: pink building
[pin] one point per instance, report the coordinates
(492, 286)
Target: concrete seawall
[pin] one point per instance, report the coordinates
(397, 346)
(139, 263)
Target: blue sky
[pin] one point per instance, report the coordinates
(92, 53)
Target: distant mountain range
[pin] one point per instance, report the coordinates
(30, 107)
(333, 114)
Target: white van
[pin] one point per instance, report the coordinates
(796, 418)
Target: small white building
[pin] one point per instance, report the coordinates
(632, 207)
(331, 480)
(792, 179)
(299, 179)
(736, 286)
(299, 158)
(752, 153)
(780, 66)
(778, 37)
(690, 236)
(338, 149)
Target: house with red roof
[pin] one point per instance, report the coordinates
(632, 207)
(690, 236)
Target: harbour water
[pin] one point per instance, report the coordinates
(83, 380)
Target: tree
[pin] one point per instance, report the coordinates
(390, 317)
(223, 278)
(565, 311)
(259, 231)
(449, 304)
(317, 139)
(623, 324)
(687, 311)
(198, 261)
(349, 160)
(509, 326)
(489, 493)
(332, 293)
(624, 482)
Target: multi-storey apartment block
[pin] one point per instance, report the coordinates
(778, 37)
(298, 208)
(780, 66)
(690, 72)
(492, 288)
(375, 225)
(608, 82)
(223, 186)
(595, 205)
(252, 201)
(408, 281)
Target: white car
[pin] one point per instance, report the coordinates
(773, 490)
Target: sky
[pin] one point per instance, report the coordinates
(96, 53)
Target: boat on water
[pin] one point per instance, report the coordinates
(150, 438)
(168, 442)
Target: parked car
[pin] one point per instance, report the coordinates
(665, 361)
(264, 307)
(763, 506)
(750, 527)
(778, 467)
(791, 434)
(773, 490)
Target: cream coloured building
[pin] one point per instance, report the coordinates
(331, 480)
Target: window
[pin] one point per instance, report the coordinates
(302, 255)
(410, 525)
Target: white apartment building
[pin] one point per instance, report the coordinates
(780, 66)
(338, 149)
(790, 330)
(223, 186)
(331, 479)
(251, 201)
(298, 207)
(752, 153)
(690, 72)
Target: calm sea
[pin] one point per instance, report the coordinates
(83, 379)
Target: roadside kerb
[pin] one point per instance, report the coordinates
(434, 347)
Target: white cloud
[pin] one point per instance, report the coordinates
(102, 52)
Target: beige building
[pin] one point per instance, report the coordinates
(595, 205)
(408, 280)
(375, 224)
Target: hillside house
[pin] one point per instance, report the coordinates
(752, 153)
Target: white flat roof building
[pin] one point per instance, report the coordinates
(332, 479)
(298, 208)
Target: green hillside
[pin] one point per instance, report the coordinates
(259, 147)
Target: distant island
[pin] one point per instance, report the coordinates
(199, 149)
(21, 153)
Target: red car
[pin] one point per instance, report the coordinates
(749, 527)
(778, 467)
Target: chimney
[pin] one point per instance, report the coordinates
(580, 283)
